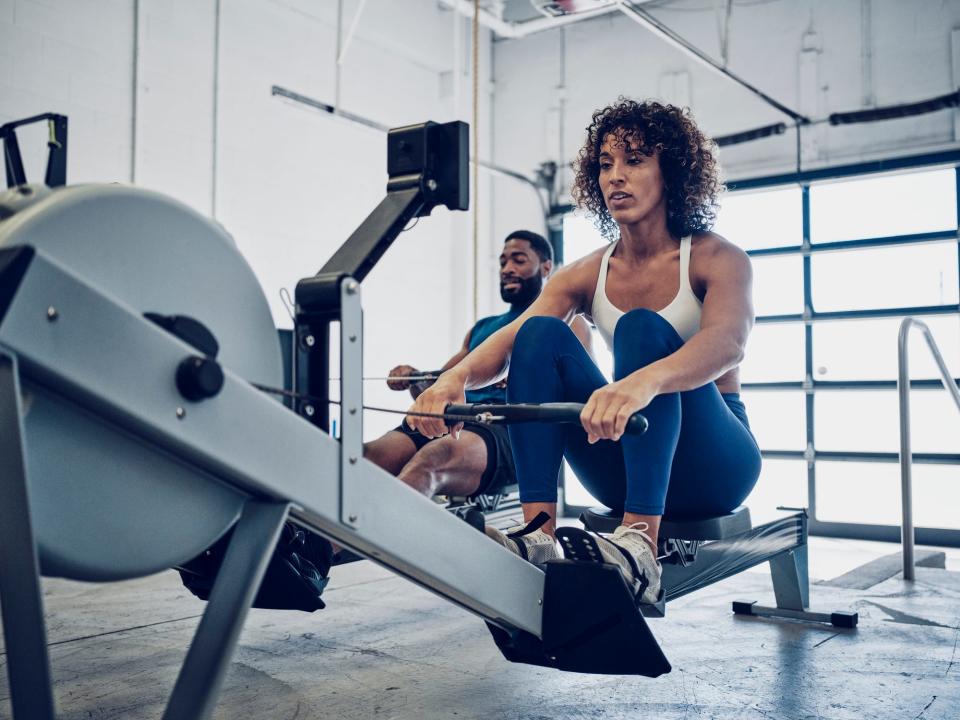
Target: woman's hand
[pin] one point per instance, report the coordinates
(446, 390)
(606, 413)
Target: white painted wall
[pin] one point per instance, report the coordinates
(55, 57)
(902, 53)
(164, 94)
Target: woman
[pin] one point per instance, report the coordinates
(673, 301)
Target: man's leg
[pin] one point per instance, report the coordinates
(390, 451)
(444, 465)
(448, 466)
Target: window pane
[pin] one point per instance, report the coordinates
(870, 493)
(781, 483)
(883, 206)
(762, 219)
(774, 353)
(869, 421)
(574, 492)
(867, 349)
(777, 418)
(579, 237)
(602, 355)
(778, 285)
(889, 277)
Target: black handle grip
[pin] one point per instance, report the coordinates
(563, 412)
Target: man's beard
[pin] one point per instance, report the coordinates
(528, 291)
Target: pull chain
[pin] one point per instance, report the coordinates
(479, 418)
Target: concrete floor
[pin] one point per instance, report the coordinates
(386, 648)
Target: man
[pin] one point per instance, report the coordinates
(479, 461)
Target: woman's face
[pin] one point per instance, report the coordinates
(630, 181)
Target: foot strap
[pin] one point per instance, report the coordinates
(582, 546)
(538, 522)
(640, 576)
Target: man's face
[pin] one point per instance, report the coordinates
(521, 272)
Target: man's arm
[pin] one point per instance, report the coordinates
(418, 387)
(461, 353)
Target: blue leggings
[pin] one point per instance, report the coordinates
(698, 458)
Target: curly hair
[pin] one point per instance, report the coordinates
(687, 158)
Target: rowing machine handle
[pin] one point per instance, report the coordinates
(563, 412)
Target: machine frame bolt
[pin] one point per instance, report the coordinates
(308, 410)
(52, 313)
(351, 287)
(181, 413)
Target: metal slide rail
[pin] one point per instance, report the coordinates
(906, 456)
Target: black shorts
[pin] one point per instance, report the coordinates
(499, 472)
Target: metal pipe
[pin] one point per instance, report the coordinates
(513, 31)
(135, 80)
(906, 470)
(646, 20)
(342, 49)
(906, 456)
(282, 92)
(338, 52)
(215, 114)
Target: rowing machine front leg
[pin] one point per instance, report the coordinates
(28, 666)
(198, 684)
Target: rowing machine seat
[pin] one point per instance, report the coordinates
(605, 520)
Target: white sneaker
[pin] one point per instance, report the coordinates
(528, 541)
(636, 558)
(629, 548)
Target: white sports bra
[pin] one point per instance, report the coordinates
(683, 312)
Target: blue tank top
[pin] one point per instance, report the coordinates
(480, 332)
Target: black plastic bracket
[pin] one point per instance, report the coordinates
(591, 624)
(190, 330)
(56, 175)
(838, 618)
(427, 165)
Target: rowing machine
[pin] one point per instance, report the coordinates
(125, 450)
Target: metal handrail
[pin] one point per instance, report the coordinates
(906, 456)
